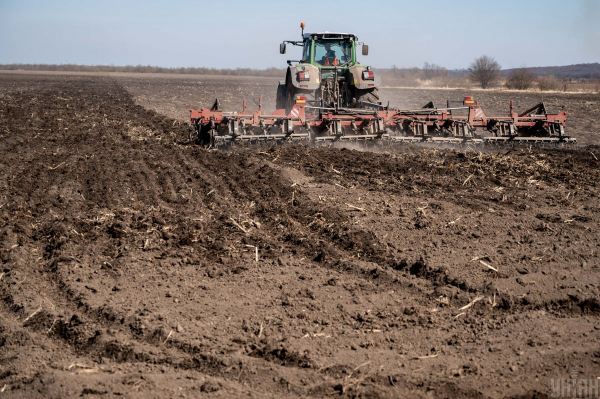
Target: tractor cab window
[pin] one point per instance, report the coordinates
(306, 51)
(333, 52)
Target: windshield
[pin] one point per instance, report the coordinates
(333, 52)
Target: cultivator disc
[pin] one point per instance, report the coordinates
(466, 123)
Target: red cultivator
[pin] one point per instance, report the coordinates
(464, 123)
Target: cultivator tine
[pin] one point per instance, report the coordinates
(288, 128)
(557, 127)
(232, 127)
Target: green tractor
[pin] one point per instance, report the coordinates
(328, 75)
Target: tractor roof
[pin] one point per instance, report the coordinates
(331, 35)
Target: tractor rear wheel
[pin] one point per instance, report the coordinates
(367, 95)
(280, 101)
(290, 98)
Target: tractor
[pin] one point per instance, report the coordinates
(328, 75)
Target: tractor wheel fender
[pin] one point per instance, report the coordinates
(312, 83)
(356, 78)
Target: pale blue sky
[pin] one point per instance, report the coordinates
(230, 34)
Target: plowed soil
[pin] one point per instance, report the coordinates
(135, 263)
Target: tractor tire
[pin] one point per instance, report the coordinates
(367, 95)
(290, 97)
(280, 101)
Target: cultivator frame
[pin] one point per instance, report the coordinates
(465, 123)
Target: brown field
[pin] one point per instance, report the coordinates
(137, 264)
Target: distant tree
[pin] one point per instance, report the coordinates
(520, 79)
(484, 71)
(548, 83)
(428, 70)
(432, 70)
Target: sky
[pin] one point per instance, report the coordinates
(238, 34)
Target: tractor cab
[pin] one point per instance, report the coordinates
(329, 49)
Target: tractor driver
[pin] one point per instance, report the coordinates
(329, 57)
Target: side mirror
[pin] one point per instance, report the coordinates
(282, 48)
(365, 49)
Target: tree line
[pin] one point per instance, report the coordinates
(270, 72)
(484, 71)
